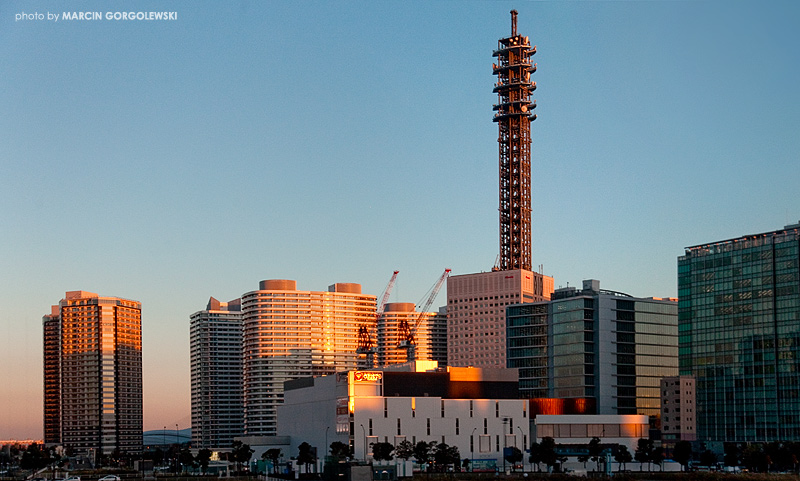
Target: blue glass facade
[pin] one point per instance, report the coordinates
(739, 335)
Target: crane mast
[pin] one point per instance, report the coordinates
(406, 333)
(365, 346)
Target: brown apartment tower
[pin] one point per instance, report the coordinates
(476, 303)
(93, 374)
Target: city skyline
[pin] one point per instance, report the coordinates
(326, 143)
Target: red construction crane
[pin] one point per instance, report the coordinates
(365, 344)
(405, 332)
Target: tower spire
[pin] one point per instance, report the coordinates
(513, 23)
(514, 115)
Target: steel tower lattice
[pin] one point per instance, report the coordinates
(514, 116)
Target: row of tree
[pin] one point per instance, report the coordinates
(553, 455)
(436, 456)
(756, 457)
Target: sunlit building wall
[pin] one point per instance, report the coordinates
(98, 393)
(739, 312)
(595, 344)
(430, 335)
(290, 334)
(215, 338)
(476, 313)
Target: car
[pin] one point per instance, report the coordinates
(73, 478)
(110, 477)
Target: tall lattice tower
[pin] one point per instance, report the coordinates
(514, 116)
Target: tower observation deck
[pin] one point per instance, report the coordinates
(514, 114)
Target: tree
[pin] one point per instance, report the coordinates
(404, 450)
(158, 457)
(536, 455)
(514, 456)
(548, 448)
(185, 459)
(340, 450)
(682, 454)
(34, 458)
(657, 456)
(422, 452)
(203, 458)
(444, 455)
(274, 456)
(644, 450)
(731, 454)
(708, 458)
(306, 455)
(622, 455)
(595, 451)
(240, 453)
(382, 451)
(753, 458)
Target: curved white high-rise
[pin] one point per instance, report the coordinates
(289, 334)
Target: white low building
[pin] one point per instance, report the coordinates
(572, 429)
(476, 410)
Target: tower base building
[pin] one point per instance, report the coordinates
(476, 313)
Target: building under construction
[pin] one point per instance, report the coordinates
(476, 303)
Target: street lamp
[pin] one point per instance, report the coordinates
(177, 450)
(365, 442)
(522, 441)
(325, 448)
(472, 450)
(503, 453)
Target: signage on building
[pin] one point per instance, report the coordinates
(367, 376)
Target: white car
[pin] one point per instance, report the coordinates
(110, 477)
(73, 478)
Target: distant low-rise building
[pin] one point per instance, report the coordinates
(678, 410)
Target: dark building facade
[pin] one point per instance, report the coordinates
(739, 323)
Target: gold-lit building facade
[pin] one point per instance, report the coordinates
(93, 374)
(290, 334)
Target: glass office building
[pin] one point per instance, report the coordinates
(598, 345)
(739, 324)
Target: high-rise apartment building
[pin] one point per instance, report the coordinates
(739, 322)
(93, 374)
(476, 313)
(429, 330)
(215, 337)
(289, 334)
(600, 345)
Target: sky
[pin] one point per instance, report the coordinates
(171, 161)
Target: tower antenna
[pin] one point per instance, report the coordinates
(513, 23)
(514, 113)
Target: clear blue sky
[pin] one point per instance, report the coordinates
(326, 142)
